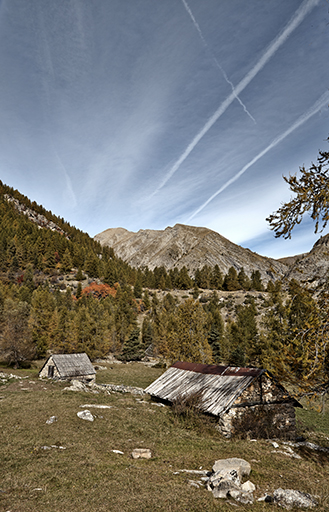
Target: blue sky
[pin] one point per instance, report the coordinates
(147, 113)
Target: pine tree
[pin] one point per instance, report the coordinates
(244, 280)
(231, 282)
(216, 281)
(132, 349)
(256, 281)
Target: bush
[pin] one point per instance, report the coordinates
(187, 410)
(257, 423)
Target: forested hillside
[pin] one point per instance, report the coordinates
(60, 291)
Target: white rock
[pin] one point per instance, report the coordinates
(141, 453)
(51, 420)
(96, 406)
(193, 483)
(241, 466)
(275, 445)
(118, 451)
(85, 415)
(248, 486)
(243, 497)
(289, 498)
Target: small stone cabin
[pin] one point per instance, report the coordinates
(248, 399)
(68, 367)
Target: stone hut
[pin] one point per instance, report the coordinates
(68, 367)
(244, 399)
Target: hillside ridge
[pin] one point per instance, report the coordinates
(189, 246)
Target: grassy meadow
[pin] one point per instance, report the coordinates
(88, 476)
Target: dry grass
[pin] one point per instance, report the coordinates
(88, 476)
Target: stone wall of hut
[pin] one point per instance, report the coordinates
(45, 369)
(262, 410)
(259, 421)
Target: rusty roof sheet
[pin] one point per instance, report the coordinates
(218, 390)
(213, 369)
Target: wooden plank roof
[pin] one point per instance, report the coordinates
(73, 365)
(219, 386)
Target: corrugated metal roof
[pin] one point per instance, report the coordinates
(73, 365)
(219, 388)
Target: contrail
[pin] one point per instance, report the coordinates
(302, 119)
(294, 22)
(69, 189)
(205, 44)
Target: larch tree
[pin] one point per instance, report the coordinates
(306, 353)
(187, 341)
(311, 189)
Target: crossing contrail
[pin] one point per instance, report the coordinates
(205, 44)
(322, 101)
(280, 39)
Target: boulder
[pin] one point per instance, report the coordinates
(141, 453)
(225, 480)
(289, 498)
(235, 467)
(85, 415)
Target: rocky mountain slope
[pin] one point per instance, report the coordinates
(192, 247)
(312, 268)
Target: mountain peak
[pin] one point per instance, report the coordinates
(189, 246)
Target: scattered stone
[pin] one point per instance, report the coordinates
(248, 486)
(203, 472)
(274, 444)
(118, 451)
(195, 483)
(96, 406)
(289, 498)
(312, 446)
(288, 454)
(53, 446)
(85, 415)
(224, 488)
(246, 498)
(226, 466)
(7, 376)
(51, 420)
(122, 389)
(141, 453)
(76, 385)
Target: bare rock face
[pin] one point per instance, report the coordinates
(312, 268)
(192, 247)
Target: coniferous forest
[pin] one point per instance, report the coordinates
(62, 292)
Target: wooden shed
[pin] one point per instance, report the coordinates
(68, 366)
(241, 398)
